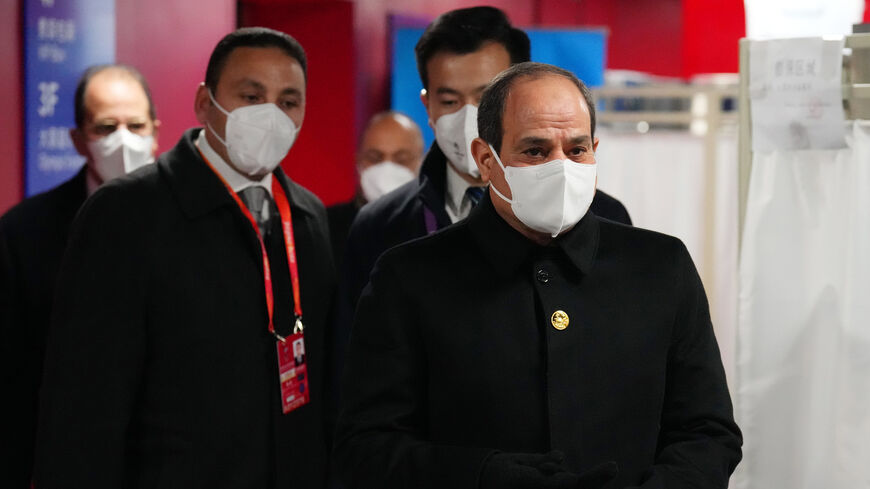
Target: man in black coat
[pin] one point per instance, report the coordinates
(162, 368)
(116, 132)
(534, 344)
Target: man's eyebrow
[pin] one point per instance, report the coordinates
(259, 86)
(253, 83)
(533, 141)
(446, 91)
(584, 139)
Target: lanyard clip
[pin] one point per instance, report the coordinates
(279, 337)
(298, 328)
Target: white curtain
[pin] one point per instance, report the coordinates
(684, 185)
(803, 366)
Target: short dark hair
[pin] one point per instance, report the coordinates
(251, 37)
(492, 103)
(464, 31)
(90, 73)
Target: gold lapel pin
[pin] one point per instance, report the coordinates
(560, 320)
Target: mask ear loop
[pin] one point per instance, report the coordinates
(504, 171)
(208, 125)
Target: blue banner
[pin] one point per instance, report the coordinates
(581, 51)
(61, 39)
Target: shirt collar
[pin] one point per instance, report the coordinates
(234, 179)
(507, 249)
(456, 187)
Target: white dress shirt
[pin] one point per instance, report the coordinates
(456, 203)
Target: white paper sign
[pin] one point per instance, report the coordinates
(795, 91)
(777, 19)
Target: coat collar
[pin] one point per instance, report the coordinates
(196, 187)
(433, 183)
(506, 249)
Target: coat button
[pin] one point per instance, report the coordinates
(560, 320)
(542, 276)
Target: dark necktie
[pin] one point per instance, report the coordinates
(474, 195)
(256, 198)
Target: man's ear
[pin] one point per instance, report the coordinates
(201, 104)
(424, 99)
(595, 144)
(483, 157)
(154, 135)
(80, 142)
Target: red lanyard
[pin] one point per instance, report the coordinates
(287, 228)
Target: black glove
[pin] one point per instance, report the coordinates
(598, 476)
(540, 471)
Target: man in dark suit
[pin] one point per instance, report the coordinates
(536, 345)
(389, 155)
(180, 295)
(116, 132)
(457, 56)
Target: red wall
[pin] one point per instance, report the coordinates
(322, 158)
(710, 34)
(12, 117)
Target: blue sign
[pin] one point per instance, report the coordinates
(580, 51)
(61, 39)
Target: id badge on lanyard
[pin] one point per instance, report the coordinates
(292, 372)
(292, 369)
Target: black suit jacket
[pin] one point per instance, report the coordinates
(160, 371)
(454, 355)
(33, 235)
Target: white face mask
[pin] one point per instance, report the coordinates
(551, 197)
(382, 178)
(454, 133)
(258, 137)
(120, 153)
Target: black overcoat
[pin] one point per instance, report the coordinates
(454, 355)
(33, 235)
(160, 371)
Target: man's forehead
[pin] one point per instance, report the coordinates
(466, 72)
(261, 66)
(114, 89)
(388, 132)
(246, 54)
(110, 81)
(555, 101)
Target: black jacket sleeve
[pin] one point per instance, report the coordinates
(96, 349)
(381, 439)
(699, 442)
